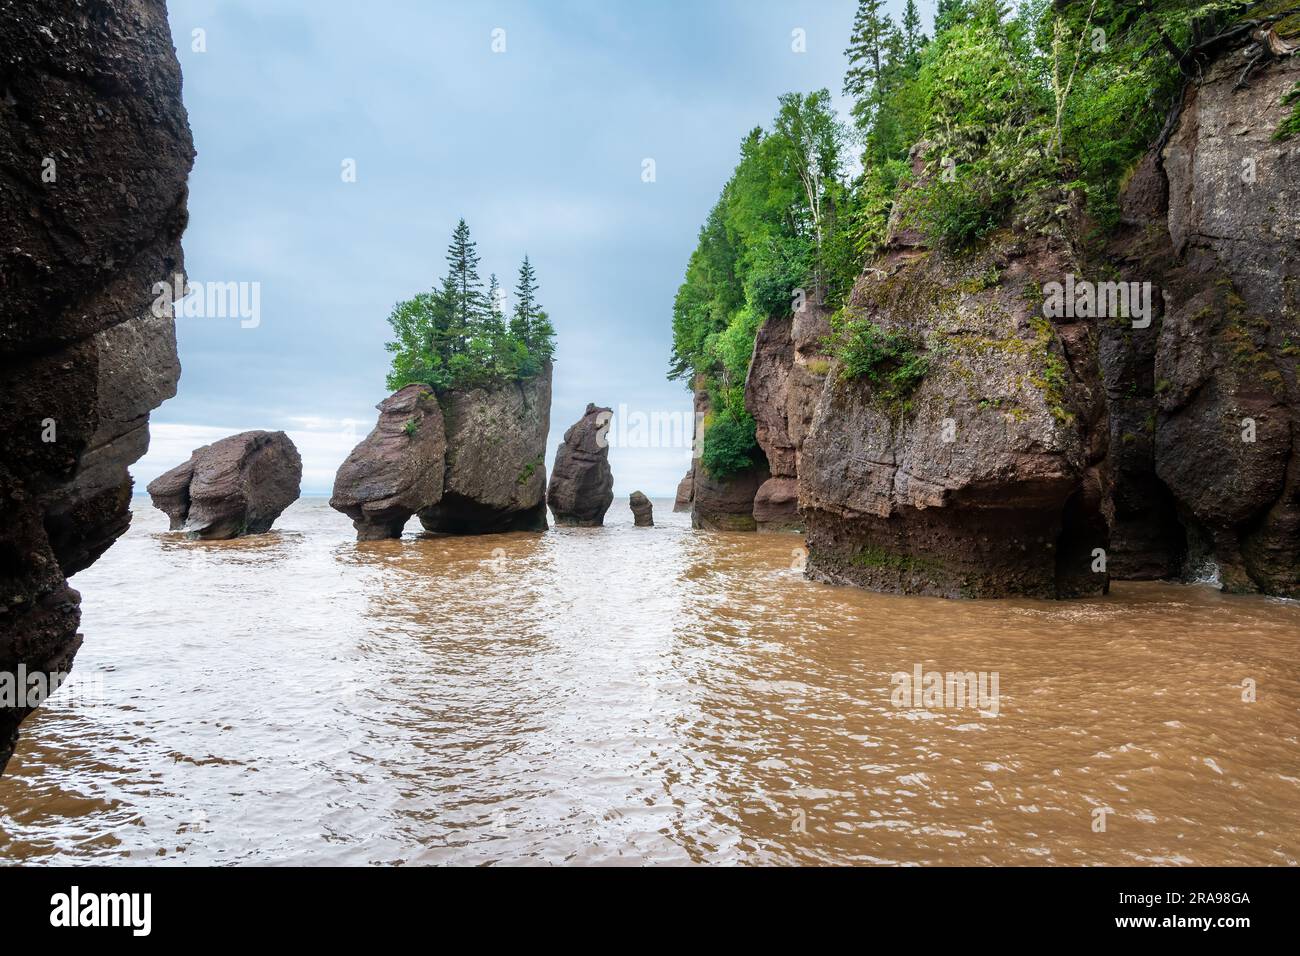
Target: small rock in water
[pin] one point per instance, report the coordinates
(642, 510)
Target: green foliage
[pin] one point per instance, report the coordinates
(529, 469)
(1020, 111)
(777, 227)
(456, 336)
(894, 362)
(1290, 126)
(411, 427)
(729, 445)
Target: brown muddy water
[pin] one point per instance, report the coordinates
(625, 695)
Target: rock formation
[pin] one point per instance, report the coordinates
(1038, 449)
(685, 491)
(582, 485)
(721, 504)
(642, 510)
(495, 479)
(96, 150)
(989, 479)
(397, 469)
(233, 487)
(786, 375)
(1205, 406)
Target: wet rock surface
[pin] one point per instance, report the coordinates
(233, 487)
(582, 484)
(397, 469)
(685, 492)
(96, 150)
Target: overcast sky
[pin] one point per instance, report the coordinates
(540, 148)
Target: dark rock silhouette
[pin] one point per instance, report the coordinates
(233, 487)
(642, 510)
(96, 151)
(395, 470)
(582, 485)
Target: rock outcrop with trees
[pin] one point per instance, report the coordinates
(462, 441)
(953, 426)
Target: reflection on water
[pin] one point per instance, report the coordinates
(627, 695)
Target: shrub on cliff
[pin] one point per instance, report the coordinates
(893, 361)
(729, 445)
(457, 335)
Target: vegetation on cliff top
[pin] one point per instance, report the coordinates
(458, 336)
(1019, 113)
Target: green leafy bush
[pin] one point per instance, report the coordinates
(894, 362)
(729, 446)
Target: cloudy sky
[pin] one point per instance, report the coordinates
(539, 147)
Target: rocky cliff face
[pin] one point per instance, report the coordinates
(1037, 442)
(95, 151)
(786, 375)
(495, 478)
(685, 496)
(582, 484)
(1205, 408)
(989, 479)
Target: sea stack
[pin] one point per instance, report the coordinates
(233, 487)
(642, 510)
(397, 469)
(495, 477)
(685, 491)
(582, 485)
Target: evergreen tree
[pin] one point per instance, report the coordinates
(913, 37)
(866, 54)
(525, 301)
(463, 282)
(456, 336)
(949, 13)
(541, 336)
(495, 319)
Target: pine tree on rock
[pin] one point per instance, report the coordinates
(525, 300)
(457, 336)
(463, 281)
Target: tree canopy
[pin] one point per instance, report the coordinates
(457, 334)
